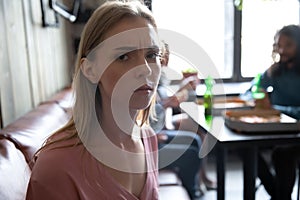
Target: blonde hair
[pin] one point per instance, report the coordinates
(103, 18)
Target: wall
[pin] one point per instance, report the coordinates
(35, 62)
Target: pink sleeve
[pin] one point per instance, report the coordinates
(37, 191)
(50, 180)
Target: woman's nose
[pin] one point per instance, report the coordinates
(144, 68)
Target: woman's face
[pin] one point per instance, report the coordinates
(286, 48)
(133, 68)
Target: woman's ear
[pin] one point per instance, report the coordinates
(88, 69)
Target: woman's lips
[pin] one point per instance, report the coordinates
(144, 88)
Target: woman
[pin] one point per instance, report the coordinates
(284, 77)
(107, 150)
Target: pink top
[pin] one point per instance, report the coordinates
(72, 173)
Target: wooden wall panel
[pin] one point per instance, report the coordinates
(15, 87)
(35, 61)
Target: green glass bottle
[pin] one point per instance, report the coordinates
(256, 90)
(208, 96)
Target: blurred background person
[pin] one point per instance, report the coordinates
(284, 78)
(177, 123)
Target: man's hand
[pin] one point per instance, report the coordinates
(263, 103)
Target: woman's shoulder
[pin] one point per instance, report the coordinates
(56, 171)
(58, 152)
(53, 157)
(275, 70)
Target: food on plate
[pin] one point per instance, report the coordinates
(254, 116)
(258, 119)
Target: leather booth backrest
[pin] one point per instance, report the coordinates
(30, 131)
(22, 138)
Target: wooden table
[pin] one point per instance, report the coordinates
(222, 138)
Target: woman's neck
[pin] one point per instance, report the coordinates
(117, 126)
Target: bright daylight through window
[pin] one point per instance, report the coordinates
(261, 19)
(211, 25)
(208, 23)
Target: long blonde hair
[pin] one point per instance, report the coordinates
(103, 18)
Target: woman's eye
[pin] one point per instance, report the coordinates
(123, 57)
(152, 55)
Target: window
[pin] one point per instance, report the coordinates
(207, 23)
(260, 21)
(212, 25)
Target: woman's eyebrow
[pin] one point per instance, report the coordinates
(132, 48)
(126, 48)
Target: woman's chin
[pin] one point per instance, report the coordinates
(139, 102)
(139, 105)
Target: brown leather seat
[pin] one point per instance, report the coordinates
(30, 131)
(14, 172)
